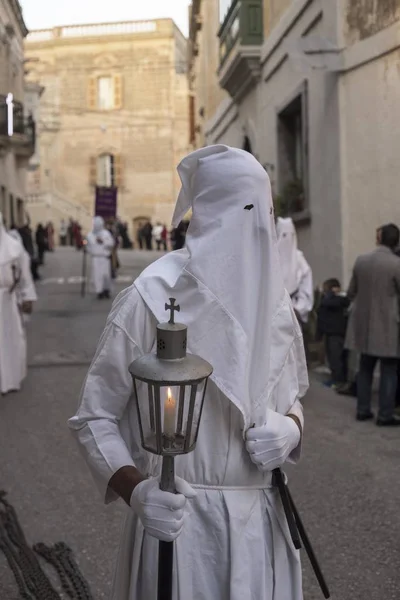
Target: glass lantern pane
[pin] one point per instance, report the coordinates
(169, 417)
(181, 411)
(145, 398)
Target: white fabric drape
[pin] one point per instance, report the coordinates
(235, 544)
(296, 271)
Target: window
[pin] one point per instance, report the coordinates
(293, 155)
(105, 170)
(105, 93)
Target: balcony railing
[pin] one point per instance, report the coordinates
(23, 128)
(242, 24)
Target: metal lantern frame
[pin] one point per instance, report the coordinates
(171, 367)
(180, 443)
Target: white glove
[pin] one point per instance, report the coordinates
(270, 446)
(161, 512)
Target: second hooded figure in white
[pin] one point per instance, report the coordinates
(296, 272)
(100, 244)
(232, 540)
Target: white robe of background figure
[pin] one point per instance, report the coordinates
(17, 292)
(232, 539)
(27, 295)
(100, 244)
(296, 271)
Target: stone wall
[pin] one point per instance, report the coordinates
(364, 18)
(146, 132)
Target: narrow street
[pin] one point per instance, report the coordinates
(347, 487)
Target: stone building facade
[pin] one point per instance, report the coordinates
(113, 113)
(313, 89)
(17, 135)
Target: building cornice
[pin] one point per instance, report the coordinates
(93, 32)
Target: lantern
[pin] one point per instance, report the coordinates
(169, 390)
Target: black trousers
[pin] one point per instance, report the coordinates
(337, 357)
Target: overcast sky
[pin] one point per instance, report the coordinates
(41, 14)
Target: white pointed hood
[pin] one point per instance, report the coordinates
(288, 253)
(227, 280)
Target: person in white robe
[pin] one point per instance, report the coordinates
(17, 293)
(100, 243)
(297, 273)
(232, 539)
(26, 295)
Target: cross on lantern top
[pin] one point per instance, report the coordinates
(173, 308)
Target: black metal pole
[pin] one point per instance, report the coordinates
(83, 284)
(166, 549)
(284, 494)
(309, 549)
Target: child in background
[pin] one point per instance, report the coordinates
(332, 324)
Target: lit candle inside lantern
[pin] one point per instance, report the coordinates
(169, 414)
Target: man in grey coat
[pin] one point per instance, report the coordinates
(374, 326)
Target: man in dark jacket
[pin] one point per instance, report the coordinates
(398, 372)
(374, 324)
(332, 324)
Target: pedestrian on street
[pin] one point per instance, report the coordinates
(70, 233)
(140, 238)
(374, 324)
(296, 271)
(41, 242)
(164, 238)
(63, 233)
(50, 236)
(232, 540)
(100, 245)
(16, 288)
(26, 294)
(157, 235)
(27, 240)
(332, 325)
(147, 232)
(398, 371)
(178, 236)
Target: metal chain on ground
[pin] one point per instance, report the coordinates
(47, 553)
(4, 547)
(71, 567)
(32, 581)
(30, 578)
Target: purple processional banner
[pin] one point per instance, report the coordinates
(106, 202)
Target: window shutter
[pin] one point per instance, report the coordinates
(118, 170)
(117, 91)
(93, 170)
(92, 93)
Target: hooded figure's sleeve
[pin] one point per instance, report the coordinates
(107, 392)
(104, 398)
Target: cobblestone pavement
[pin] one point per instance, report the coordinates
(347, 487)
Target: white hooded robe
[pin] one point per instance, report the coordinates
(13, 266)
(297, 273)
(100, 253)
(235, 544)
